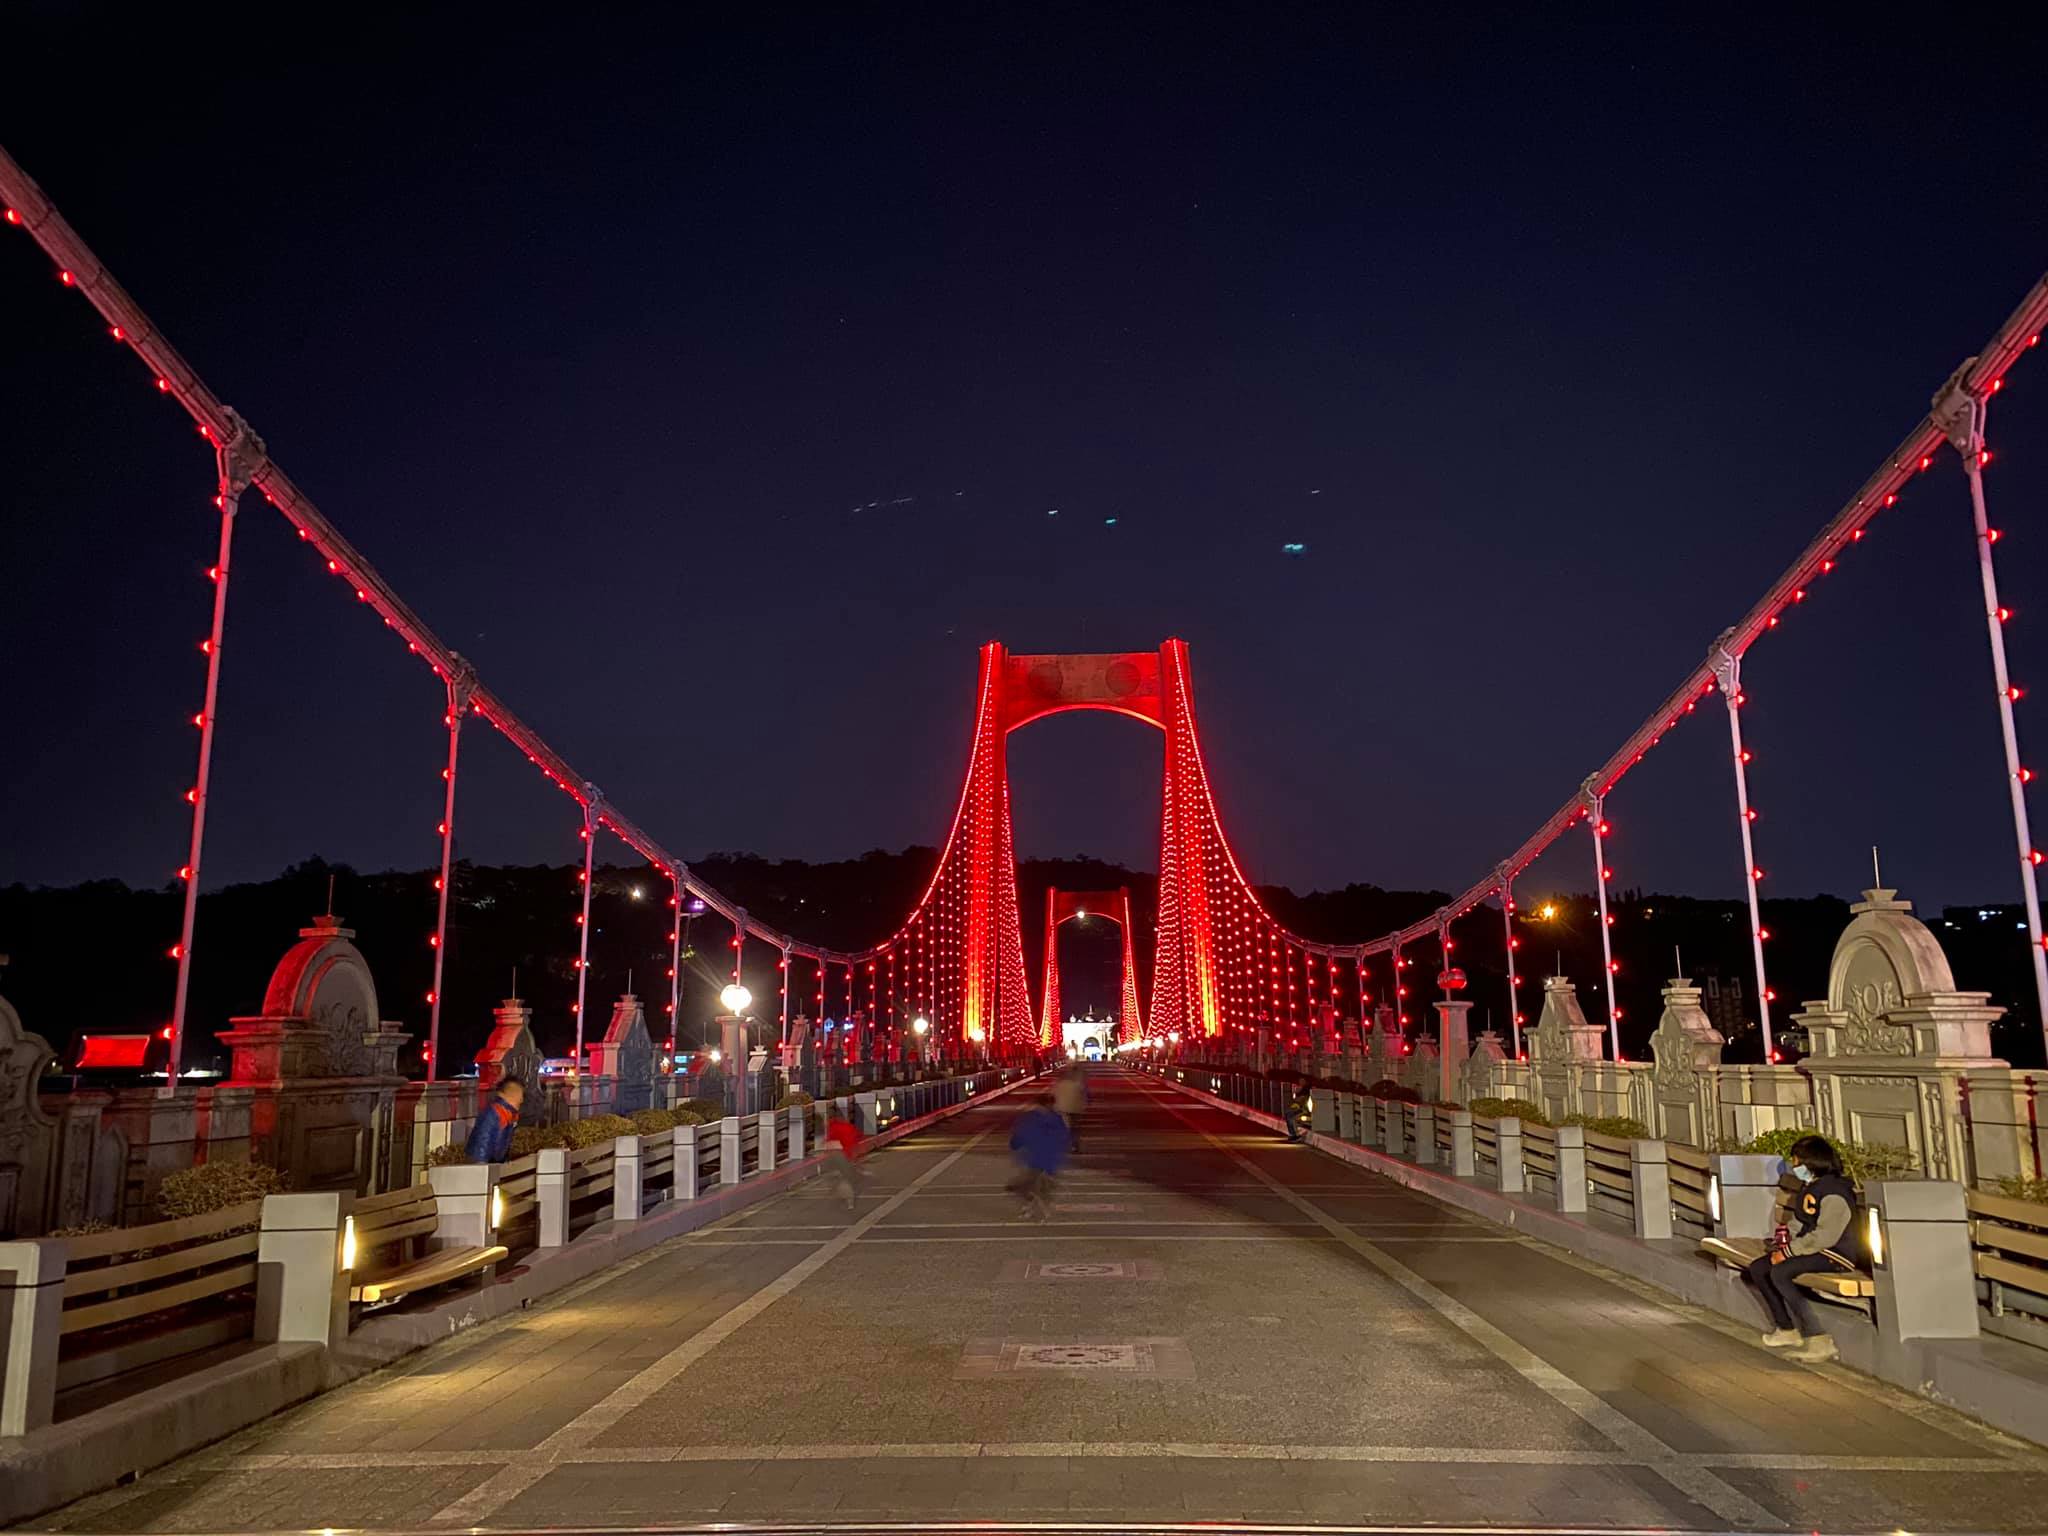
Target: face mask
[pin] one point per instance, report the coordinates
(1802, 1173)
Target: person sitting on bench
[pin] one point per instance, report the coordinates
(1818, 1217)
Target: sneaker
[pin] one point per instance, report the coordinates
(1816, 1351)
(1784, 1338)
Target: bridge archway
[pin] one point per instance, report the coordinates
(1068, 906)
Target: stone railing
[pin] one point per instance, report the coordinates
(1899, 1058)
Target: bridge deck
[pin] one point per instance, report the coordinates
(1286, 1339)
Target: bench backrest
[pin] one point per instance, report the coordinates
(397, 1222)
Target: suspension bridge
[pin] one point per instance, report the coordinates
(1642, 1413)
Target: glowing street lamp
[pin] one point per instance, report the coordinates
(921, 1025)
(735, 999)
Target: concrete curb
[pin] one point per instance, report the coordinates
(97, 1450)
(2002, 1383)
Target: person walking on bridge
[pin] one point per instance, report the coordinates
(843, 1137)
(1070, 1097)
(490, 1139)
(1040, 1141)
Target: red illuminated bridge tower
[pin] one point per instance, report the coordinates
(1220, 961)
(1064, 906)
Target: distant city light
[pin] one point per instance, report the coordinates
(1295, 549)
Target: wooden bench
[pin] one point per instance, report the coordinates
(1845, 1283)
(390, 1257)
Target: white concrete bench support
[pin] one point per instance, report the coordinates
(1649, 1177)
(1463, 1162)
(1926, 1280)
(628, 1178)
(462, 1202)
(731, 1156)
(31, 1323)
(301, 1286)
(1322, 1111)
(551, 1195)
(1571, 1168)
(1746, 1189)
(686, 1161)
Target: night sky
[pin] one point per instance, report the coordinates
(718, 386)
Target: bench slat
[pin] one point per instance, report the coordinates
(370, 1205)
(384, 1237)
(1838, 1283)
(1992, 1234)
(99, 1314)
(434, 1269)
(2018, 1213)
(2021, 1277)
(161, 1234)
(88, 1282)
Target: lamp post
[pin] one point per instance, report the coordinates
(921, 1027)
(732, 1032)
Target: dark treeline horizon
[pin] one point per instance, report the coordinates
(86, 958)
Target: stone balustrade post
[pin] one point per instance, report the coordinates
(31, 1326)
(462, 1202)
(1507, 1155)
(1425, 1135)
(301, 1282)
(731, 1155)
(686, 1161)
(1464, 1164)
(551, 1195)
(1743, 1193)
(1921, 1260)
(764, 1139)
(1649, 1177)
(1346, 1116)
(796, 1131)
(1571, 1168)
(628, 1176)
(1391, 1126)
(867, 1113)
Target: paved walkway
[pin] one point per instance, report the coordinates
(1215, 1325)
